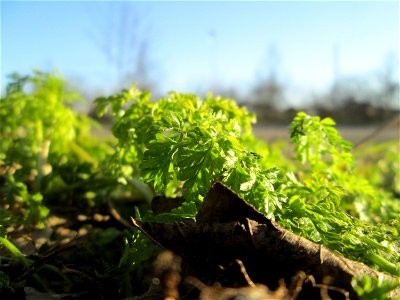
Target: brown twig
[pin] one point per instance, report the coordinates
(114, 212)
(377, 131)
(244, 272)
(304, 278)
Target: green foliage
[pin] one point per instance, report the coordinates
(326, 186)
(324, 223)
(328, 159)
(16, 193)
(380, 164)
(131, 113)
(369, 288)
(5, 284)
(40, 138)
(45, 146)
(182, 144)
(138, 250)
(38, 126)
(137, 257)
(377, 187)
(6, 220)
(318, 143)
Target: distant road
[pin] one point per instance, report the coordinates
(355, 134)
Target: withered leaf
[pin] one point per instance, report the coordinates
(227, 228)
(222, 205)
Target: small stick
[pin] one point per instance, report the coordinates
(244, 272)
(138, 226)
(117, 216)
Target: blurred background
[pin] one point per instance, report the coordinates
(337, 59)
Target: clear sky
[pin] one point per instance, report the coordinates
(192, 44)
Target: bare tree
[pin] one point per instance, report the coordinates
(379, 89)
(388, 81)
(124, 40)
(268, 91)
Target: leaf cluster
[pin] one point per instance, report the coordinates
(326, 186)
(369, 288)
(317, 187)
(181, 144)
(45, 146)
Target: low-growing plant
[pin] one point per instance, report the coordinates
(45, 145)
(178, 147)
(326, 187)
(379, 288)
(181, 144)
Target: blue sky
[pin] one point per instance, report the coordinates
(299, 40)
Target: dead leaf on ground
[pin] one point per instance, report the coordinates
(227, 229)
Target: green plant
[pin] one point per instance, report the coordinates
(326, 186)
(379, 288)
(182, 144)
(47, 154)
(41, 138)
(178, 146)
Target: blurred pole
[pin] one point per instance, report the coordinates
(335, 74)
(213, 85)
(336, 62)
(273, 62)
